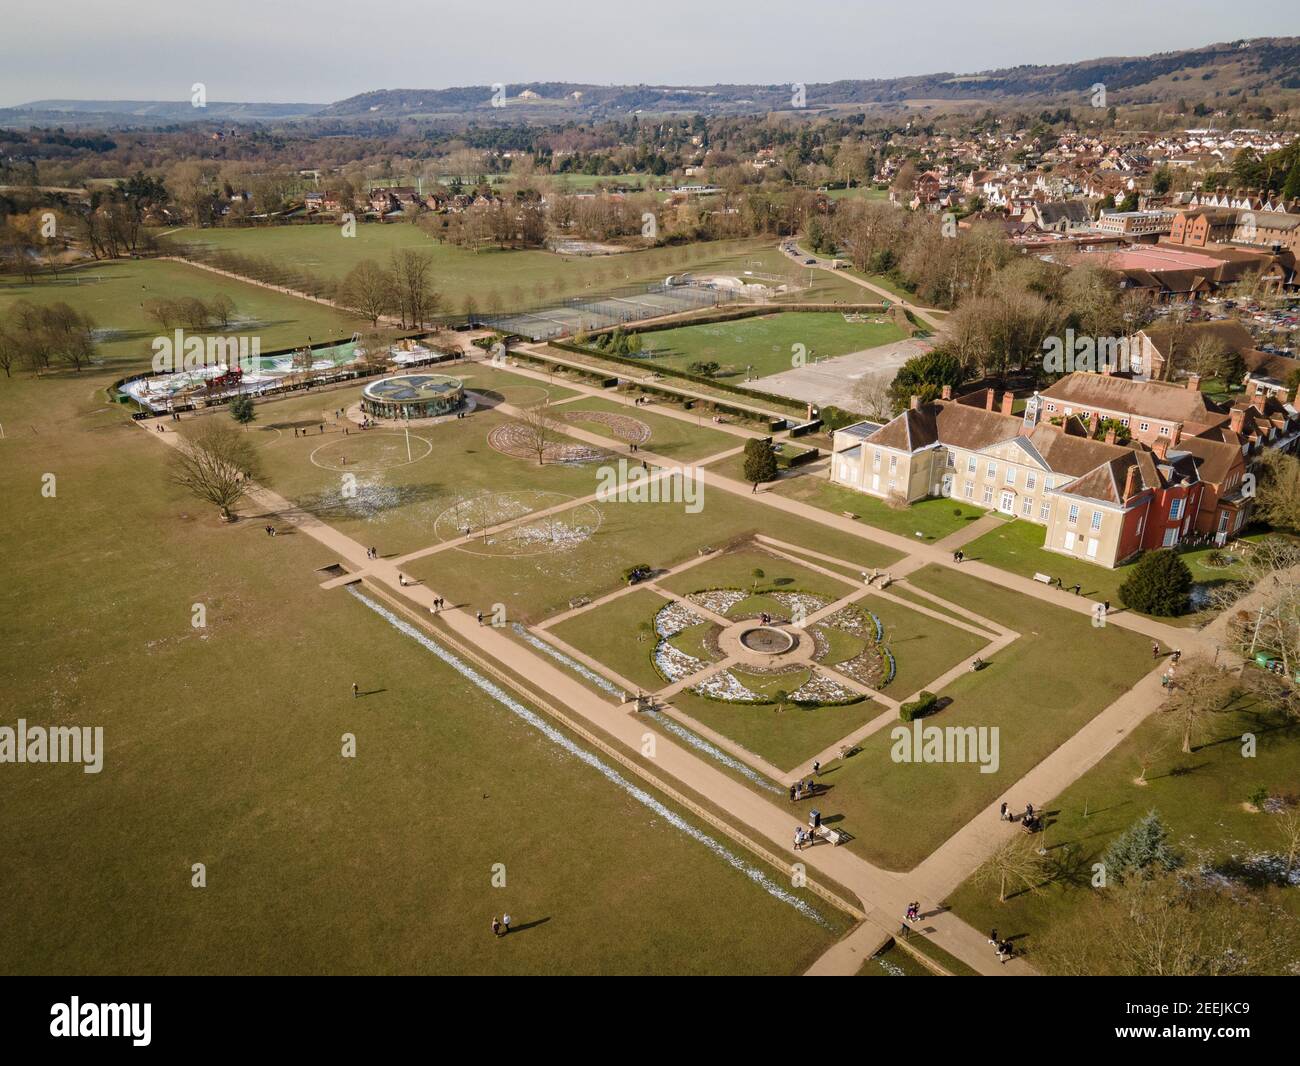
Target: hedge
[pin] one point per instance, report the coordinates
(925, 704)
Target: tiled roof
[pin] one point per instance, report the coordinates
(1151, 399)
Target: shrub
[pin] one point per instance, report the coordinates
(1160, 584)
(924, 705)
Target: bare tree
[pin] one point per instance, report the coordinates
(1016, 862)
(216, 464)
(871, 397)
(369, 290)
(1200, 691)
(538, 429)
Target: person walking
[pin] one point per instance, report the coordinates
(1105, 607)
(480, 618)
(496, 926)
(355, 690)
(1155, 650)
(993, 935)
(817, 768)
(798, 838)
(505, 924)
(1002, 813)
(792, 793)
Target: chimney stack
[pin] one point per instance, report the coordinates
(1008, 401)
(1194, 382)
(1176, 436)
(1161, 449)
(914, 402)
(1110, 435)
(989, 396)
(1236, 419)
(946, 392)
(1094, 421)
(1130, 482)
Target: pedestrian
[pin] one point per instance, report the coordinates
(1178, 654)
(505, 924)
(1155, 650)
(1029, 812)
(1076, 589)
(1002, 815)
(1105, 606)
(355, 690)
(792, 793)
(993, 936)
(496, 926)
(798, 838)
(817, 767)
(480, 618)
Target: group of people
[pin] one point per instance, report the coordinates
(372, 553)
(1003, 948)
(270, 530)
(959, 556)
(500, 926)
(438, 604)
(803, 838)
(1030, 820)
(913, 914)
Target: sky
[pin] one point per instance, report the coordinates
(326, 50)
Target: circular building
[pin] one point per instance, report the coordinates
(413, 396)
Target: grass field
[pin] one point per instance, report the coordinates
(222, 746)
(505, 278)
(1017, 546)
(735, 569)
(1199, 796)
(394, 504)
(113, 294)
(534, 587)
(765, 345)
(613, 634)
(673, 438)
(923, 647)
(784, 737)
(934, 519)
(1038, 692)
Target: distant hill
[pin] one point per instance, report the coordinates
(146, 112)
(1217, 71)
(1267, 64)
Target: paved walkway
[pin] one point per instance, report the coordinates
(884, 895)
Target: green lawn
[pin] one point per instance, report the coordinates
(1199, 796)
(765, 344)
(1038, 692)
(1017, 546)
(456, 478)
(934, 519)
(673, 438)
(222, 746)
(735, 570)
(534, 587)
(113, 294)
(785, 738)
(612, 634)
(894, 962)
(923, 647)
(508, 278)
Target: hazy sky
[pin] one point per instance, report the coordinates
(326, 50)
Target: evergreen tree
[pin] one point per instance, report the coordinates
(760, 461)
(1142, 849)
(241, 410)
(1159, 584)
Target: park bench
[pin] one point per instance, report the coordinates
(580, 601)
(849, 514)
(1045, 579)
(833, 835)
